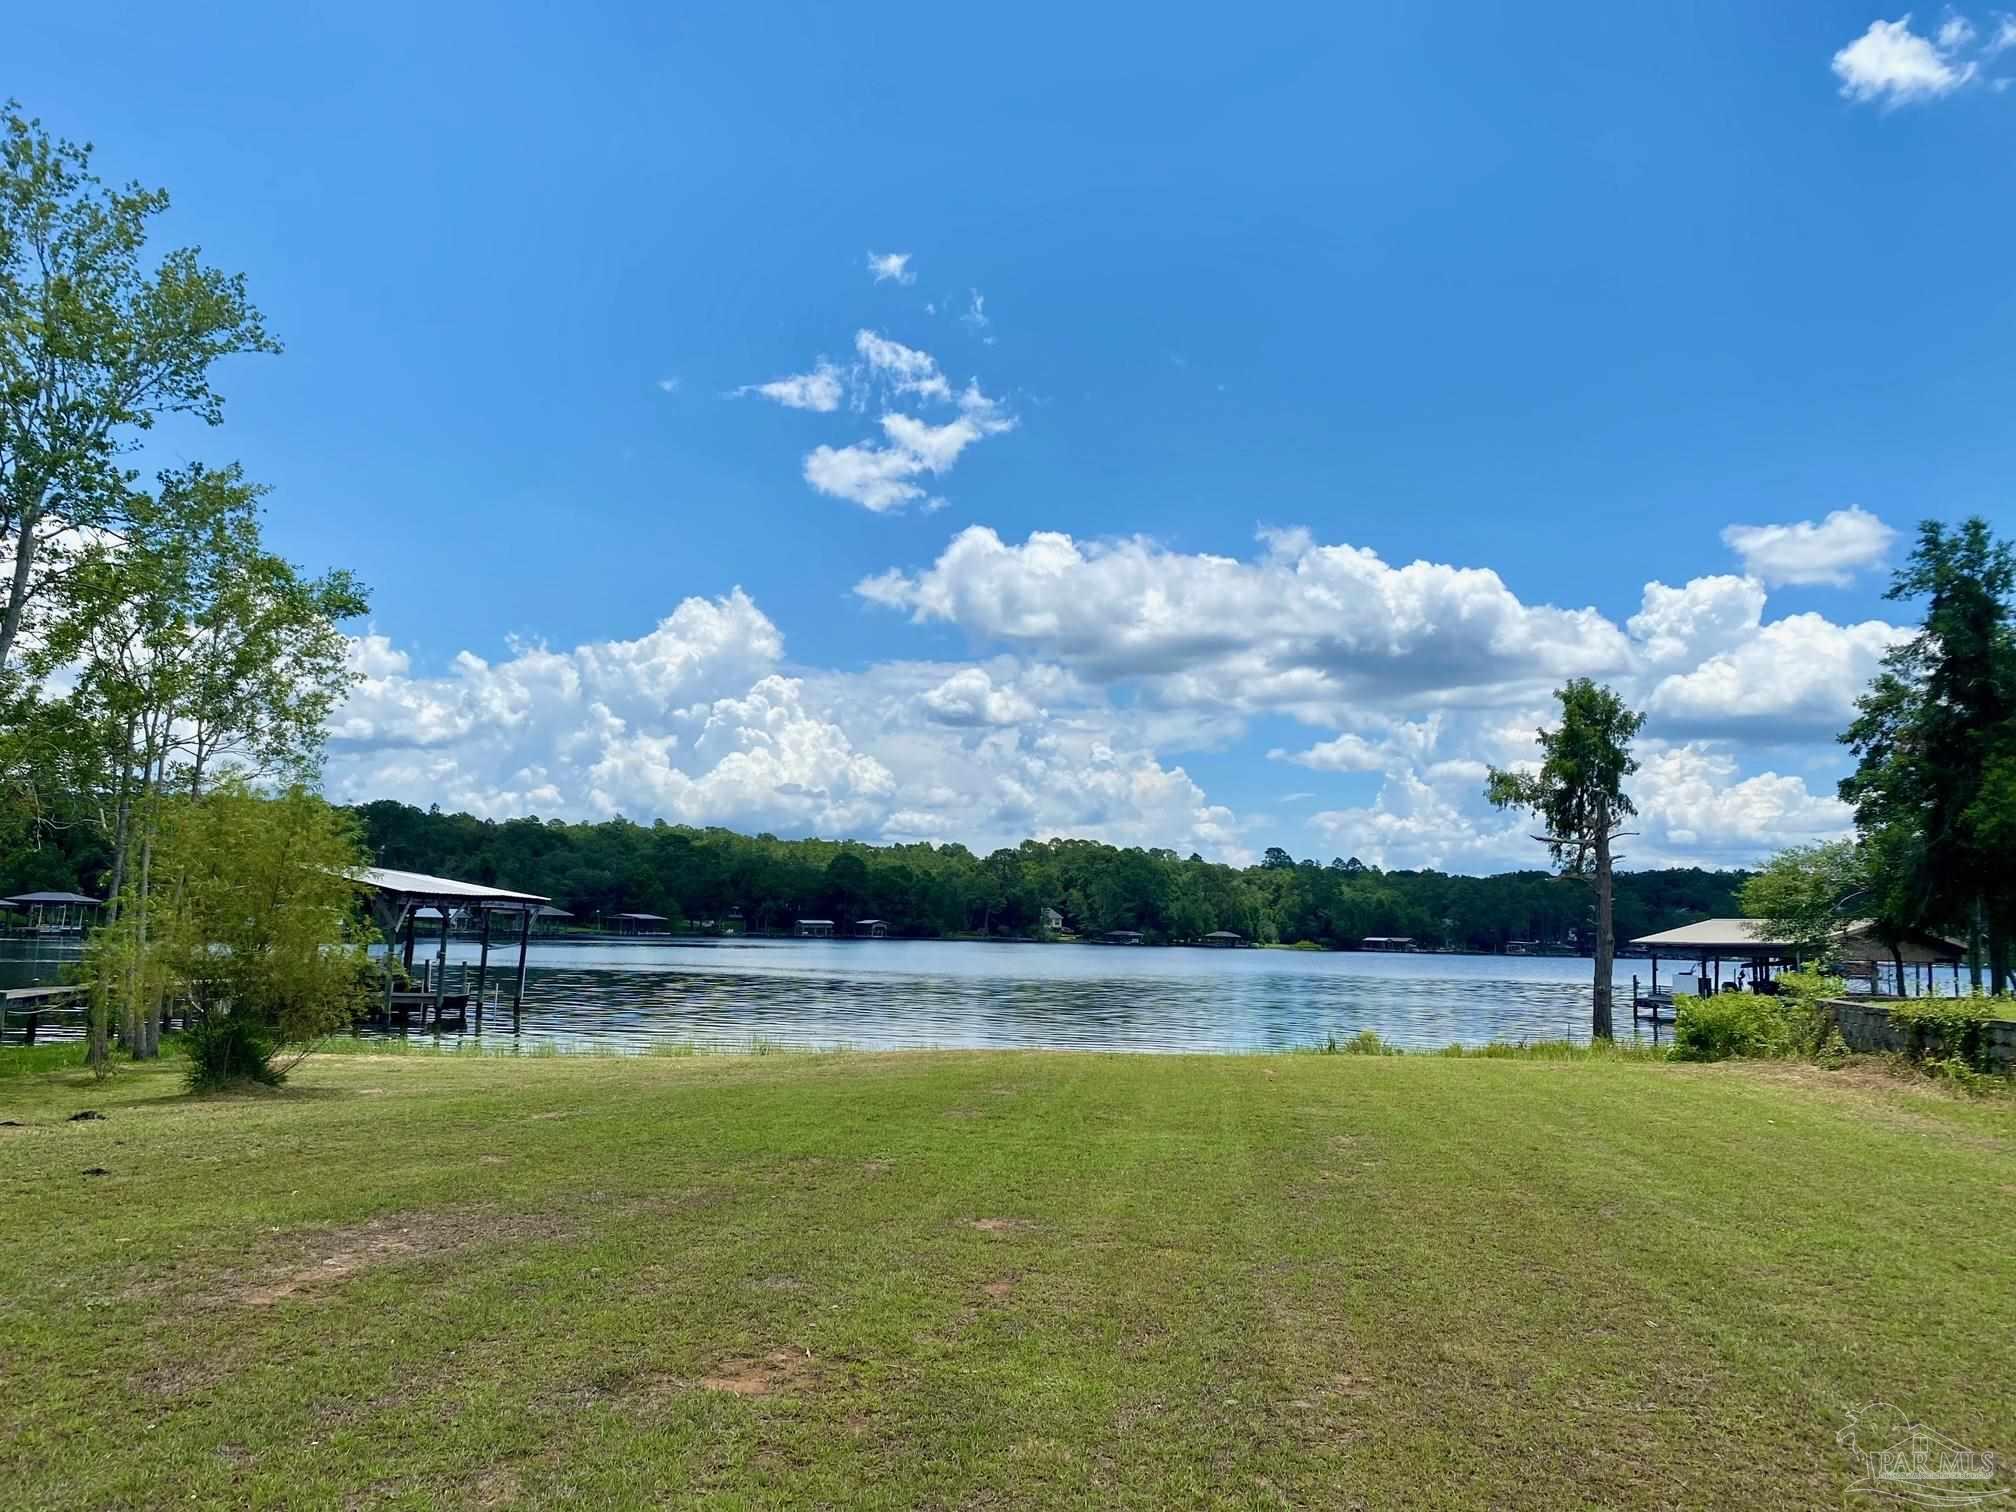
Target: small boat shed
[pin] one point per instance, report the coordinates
(54, 912)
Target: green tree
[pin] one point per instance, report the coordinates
(255, 924)
(95, 344)
(1578, 795)
(1936, 739)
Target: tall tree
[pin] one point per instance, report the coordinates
(96, 343)
(1578, 795)
(1936, 738)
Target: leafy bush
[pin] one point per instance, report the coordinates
(1948, 1031)
(229, 1048)
(1729, 1024)
(1753, 1025)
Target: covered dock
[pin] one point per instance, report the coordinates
(400, 899)
(1755, 958)
(54, 912)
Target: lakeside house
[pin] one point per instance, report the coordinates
(871, 929)
(1224, 939)
(1050, 921)
(814, 929)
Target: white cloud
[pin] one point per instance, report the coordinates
(1830, 552)
(891, 267)
(2003, 39)
(820, 390)
(1347, 753)
(698, 722)
(1956, 31)
(905, 369)
(1703, 617)
(976, 313)
(879, 477)
(1692, 804)
(1305, 628)
(1892, 64)
(1794, 679)
(668, 385)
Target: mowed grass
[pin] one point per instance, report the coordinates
(993, 1280)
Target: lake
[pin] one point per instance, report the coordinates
(890, 994)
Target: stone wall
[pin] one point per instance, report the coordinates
(1868, 1026)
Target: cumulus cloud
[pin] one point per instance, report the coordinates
(1829, 552)
(1303, 627)
(1347, 753)
(698, 721)
(1956, 31)
(1794, 679)
(891, 267)
(1893, 65)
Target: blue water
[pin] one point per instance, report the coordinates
(877, 994)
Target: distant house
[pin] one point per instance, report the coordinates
(815, 929)
(1388, 942)
(1050, 921)
(1123, 937)
(872, 929)
(1224, 939)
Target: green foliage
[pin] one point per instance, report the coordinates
(1948, 1034)
(228, 1049)
(1803, 894)
(1578, 792)
(96, 342)
(1802, 1007)
(939, 890)
(252, 923)
(1728, 1025)
(1935, 737)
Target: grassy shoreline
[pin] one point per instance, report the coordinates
(993, 1278)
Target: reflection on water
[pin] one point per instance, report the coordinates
(885, 994)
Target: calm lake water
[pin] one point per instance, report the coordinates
(887, 994)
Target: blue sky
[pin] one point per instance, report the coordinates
(1545, 306)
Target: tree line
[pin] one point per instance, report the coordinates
(697, 876)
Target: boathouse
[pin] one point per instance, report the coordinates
(1755, 959)
(397, 899)
(1123, 937)
(871, 929)
(54, 912)
(815, 929)
(1224, 939)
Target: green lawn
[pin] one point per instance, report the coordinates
(993, 1280)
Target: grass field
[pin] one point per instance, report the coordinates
(994, 1280)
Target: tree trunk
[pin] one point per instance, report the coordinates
(1897, 956)
(1998, 951)
(1606, 934)
(17, 586)
(1975, 947)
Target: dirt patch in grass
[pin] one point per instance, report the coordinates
(875, 1168)
(1004, 1225)
(329, 1256)
(781, 1370)
(1005, 1287)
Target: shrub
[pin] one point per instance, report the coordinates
(1729, 1024)
(1950, 1032)
(229, 1048)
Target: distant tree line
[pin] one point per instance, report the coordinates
(692, 876)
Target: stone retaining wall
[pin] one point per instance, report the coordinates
(1868, 1026)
